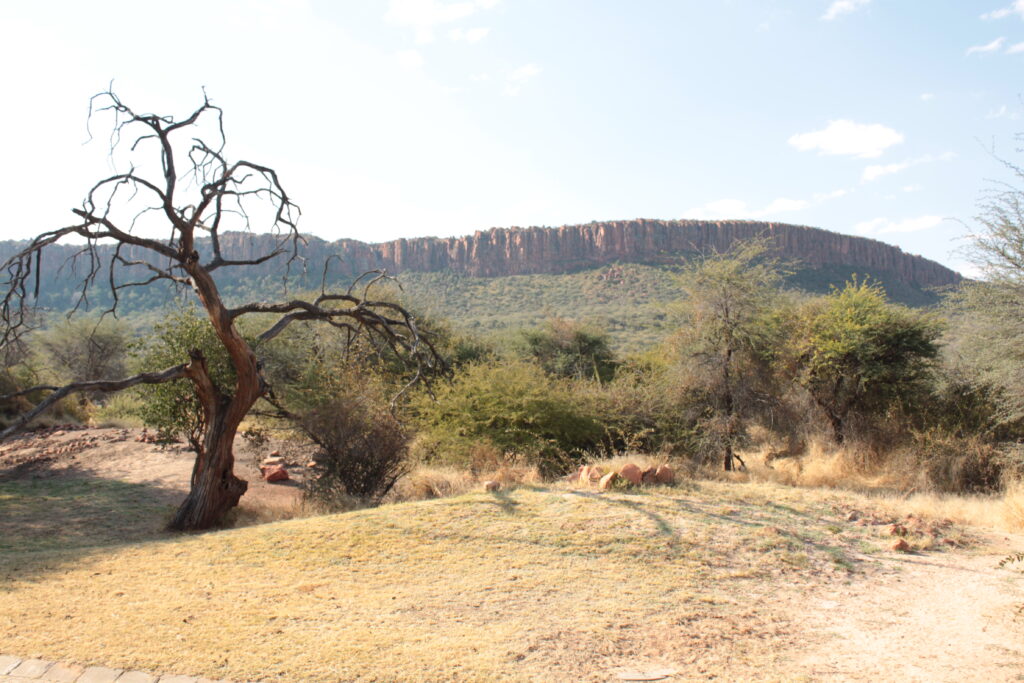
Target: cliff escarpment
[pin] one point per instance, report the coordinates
(822, 258)
(521, 251)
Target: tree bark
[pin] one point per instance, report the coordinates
(730, 409)
(215, 488)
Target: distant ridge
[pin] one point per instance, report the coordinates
(519, 251)
(823, 258)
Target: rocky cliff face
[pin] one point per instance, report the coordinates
(518, 251)
(512, 251)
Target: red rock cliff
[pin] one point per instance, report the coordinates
(515, 251)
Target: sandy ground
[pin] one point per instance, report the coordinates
(127, 455)
(951, 616)
(931, 616)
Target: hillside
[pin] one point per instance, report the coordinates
(618, 273)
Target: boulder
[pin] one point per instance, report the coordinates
(900, 545)
(271, 461)
(576, 476)
(274, 473)
(608, 481)
(665, 475)
(650, 475)
(491, 486)
(896, 530)
(631, 473)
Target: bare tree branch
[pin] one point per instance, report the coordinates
(168, 375)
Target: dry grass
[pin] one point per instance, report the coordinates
(525, 584)
(427, 483)
(895, 487)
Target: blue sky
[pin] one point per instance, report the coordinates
(402, 118)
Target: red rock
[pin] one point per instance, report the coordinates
(311, 463)
(900, 545)
(274, 473)
(650, 475)
(665, 475)
(896, 530)
(491, 486)
(575, 476)
(608, 481)
(631, 473)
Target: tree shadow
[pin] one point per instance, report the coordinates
(49, 522)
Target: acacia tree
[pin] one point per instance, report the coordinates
(860, 354)
(180, 175)
(727, 336)
(989, 320)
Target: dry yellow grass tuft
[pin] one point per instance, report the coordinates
(894, 488)
(513, 585)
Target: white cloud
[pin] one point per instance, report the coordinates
(517, 77)
(424, 16)
(848, 138)
(841, 7)
(409, 59)
(1014, 49)
(876, 171)
(997, 113)
(738, 209)
(912, 188)
(927, 96)
(524, 73)
(882, 226)
(785, 205)
(1003, 112)
(988, 47)
(1016, 8)
(472, 35)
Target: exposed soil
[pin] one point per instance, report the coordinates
(133, 455)
(951, 616)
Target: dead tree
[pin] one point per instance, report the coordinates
(185, 182)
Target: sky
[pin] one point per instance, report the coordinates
(406, 118)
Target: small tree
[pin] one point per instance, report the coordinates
(727, 335)
(989, 315)
(861, 354)
(180, 180)
(85, 349)
(567, 348)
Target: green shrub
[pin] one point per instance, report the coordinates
(515, 407)
(172, 407)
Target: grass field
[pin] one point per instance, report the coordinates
(536, 582)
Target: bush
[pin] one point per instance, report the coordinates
(172, 407)
(514, 407)
(362, 451)
(566, 348)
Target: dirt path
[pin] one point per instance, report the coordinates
(931, 617)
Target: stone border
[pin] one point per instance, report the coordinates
(16, 670)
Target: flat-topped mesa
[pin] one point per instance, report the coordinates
(520, 251)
